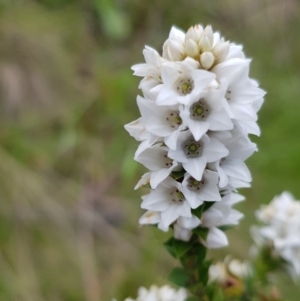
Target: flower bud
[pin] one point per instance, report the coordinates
(192, 34)
(209, 33)
(191, 48)
(207, 60)
(221, 51)
(199, 30)
(173, 50)
(204, 43)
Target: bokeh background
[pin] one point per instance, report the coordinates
(68, 212)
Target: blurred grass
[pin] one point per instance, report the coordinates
(68, 214)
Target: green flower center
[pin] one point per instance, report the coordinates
(192, 148)
(195, 185)
(174, 119)
(199, 110)
(185, 86)
(177, 196)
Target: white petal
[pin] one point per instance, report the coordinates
(237, 169)
(219, 121)
(211, 217)
(145, 179)
(155, 201)
(216, 238)
(214, 151)
(195, 167)
(182, 233)
(198, 128)
(169, 215)
(150, 217)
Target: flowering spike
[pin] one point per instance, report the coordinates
(198, 108)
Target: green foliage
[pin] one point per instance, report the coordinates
(201, 232)
(179, 277)
(177, 248)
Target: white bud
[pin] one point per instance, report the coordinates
(217, 39)
(173, 50)
(176, 34)
(207, 60)
(191, 48)
(204, 43)
(199, 30)
(221, 51)
(209, 33)
(192, 34)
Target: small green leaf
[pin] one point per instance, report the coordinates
(181, 247)
(178, 174)
(207, 205)
(226, 227)
(177, 248)
(179, 277)
(198, 211)
(201, 232)
(201, 254)
(203, 273)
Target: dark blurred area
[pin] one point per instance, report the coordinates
(68, 214)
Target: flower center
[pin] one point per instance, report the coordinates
(192, 148)
(185, 86)
(195, 185)
(174, 119)
(199, 110)
(177, 196)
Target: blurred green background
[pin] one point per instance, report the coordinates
(68, 214)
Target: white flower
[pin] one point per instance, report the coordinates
(164, 293)
(155, 158)
(168, 199)
(151, 71)
(196, 192)
(195, 154)
(207, 113)
(282, 227)
(232, 169)
(242, 92)
(220, 214)
(224, 271)
(182, 83)
(162, 121)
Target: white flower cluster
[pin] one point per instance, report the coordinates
(228, 271)
(281, 231)
(197, 109)
(164, 293)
